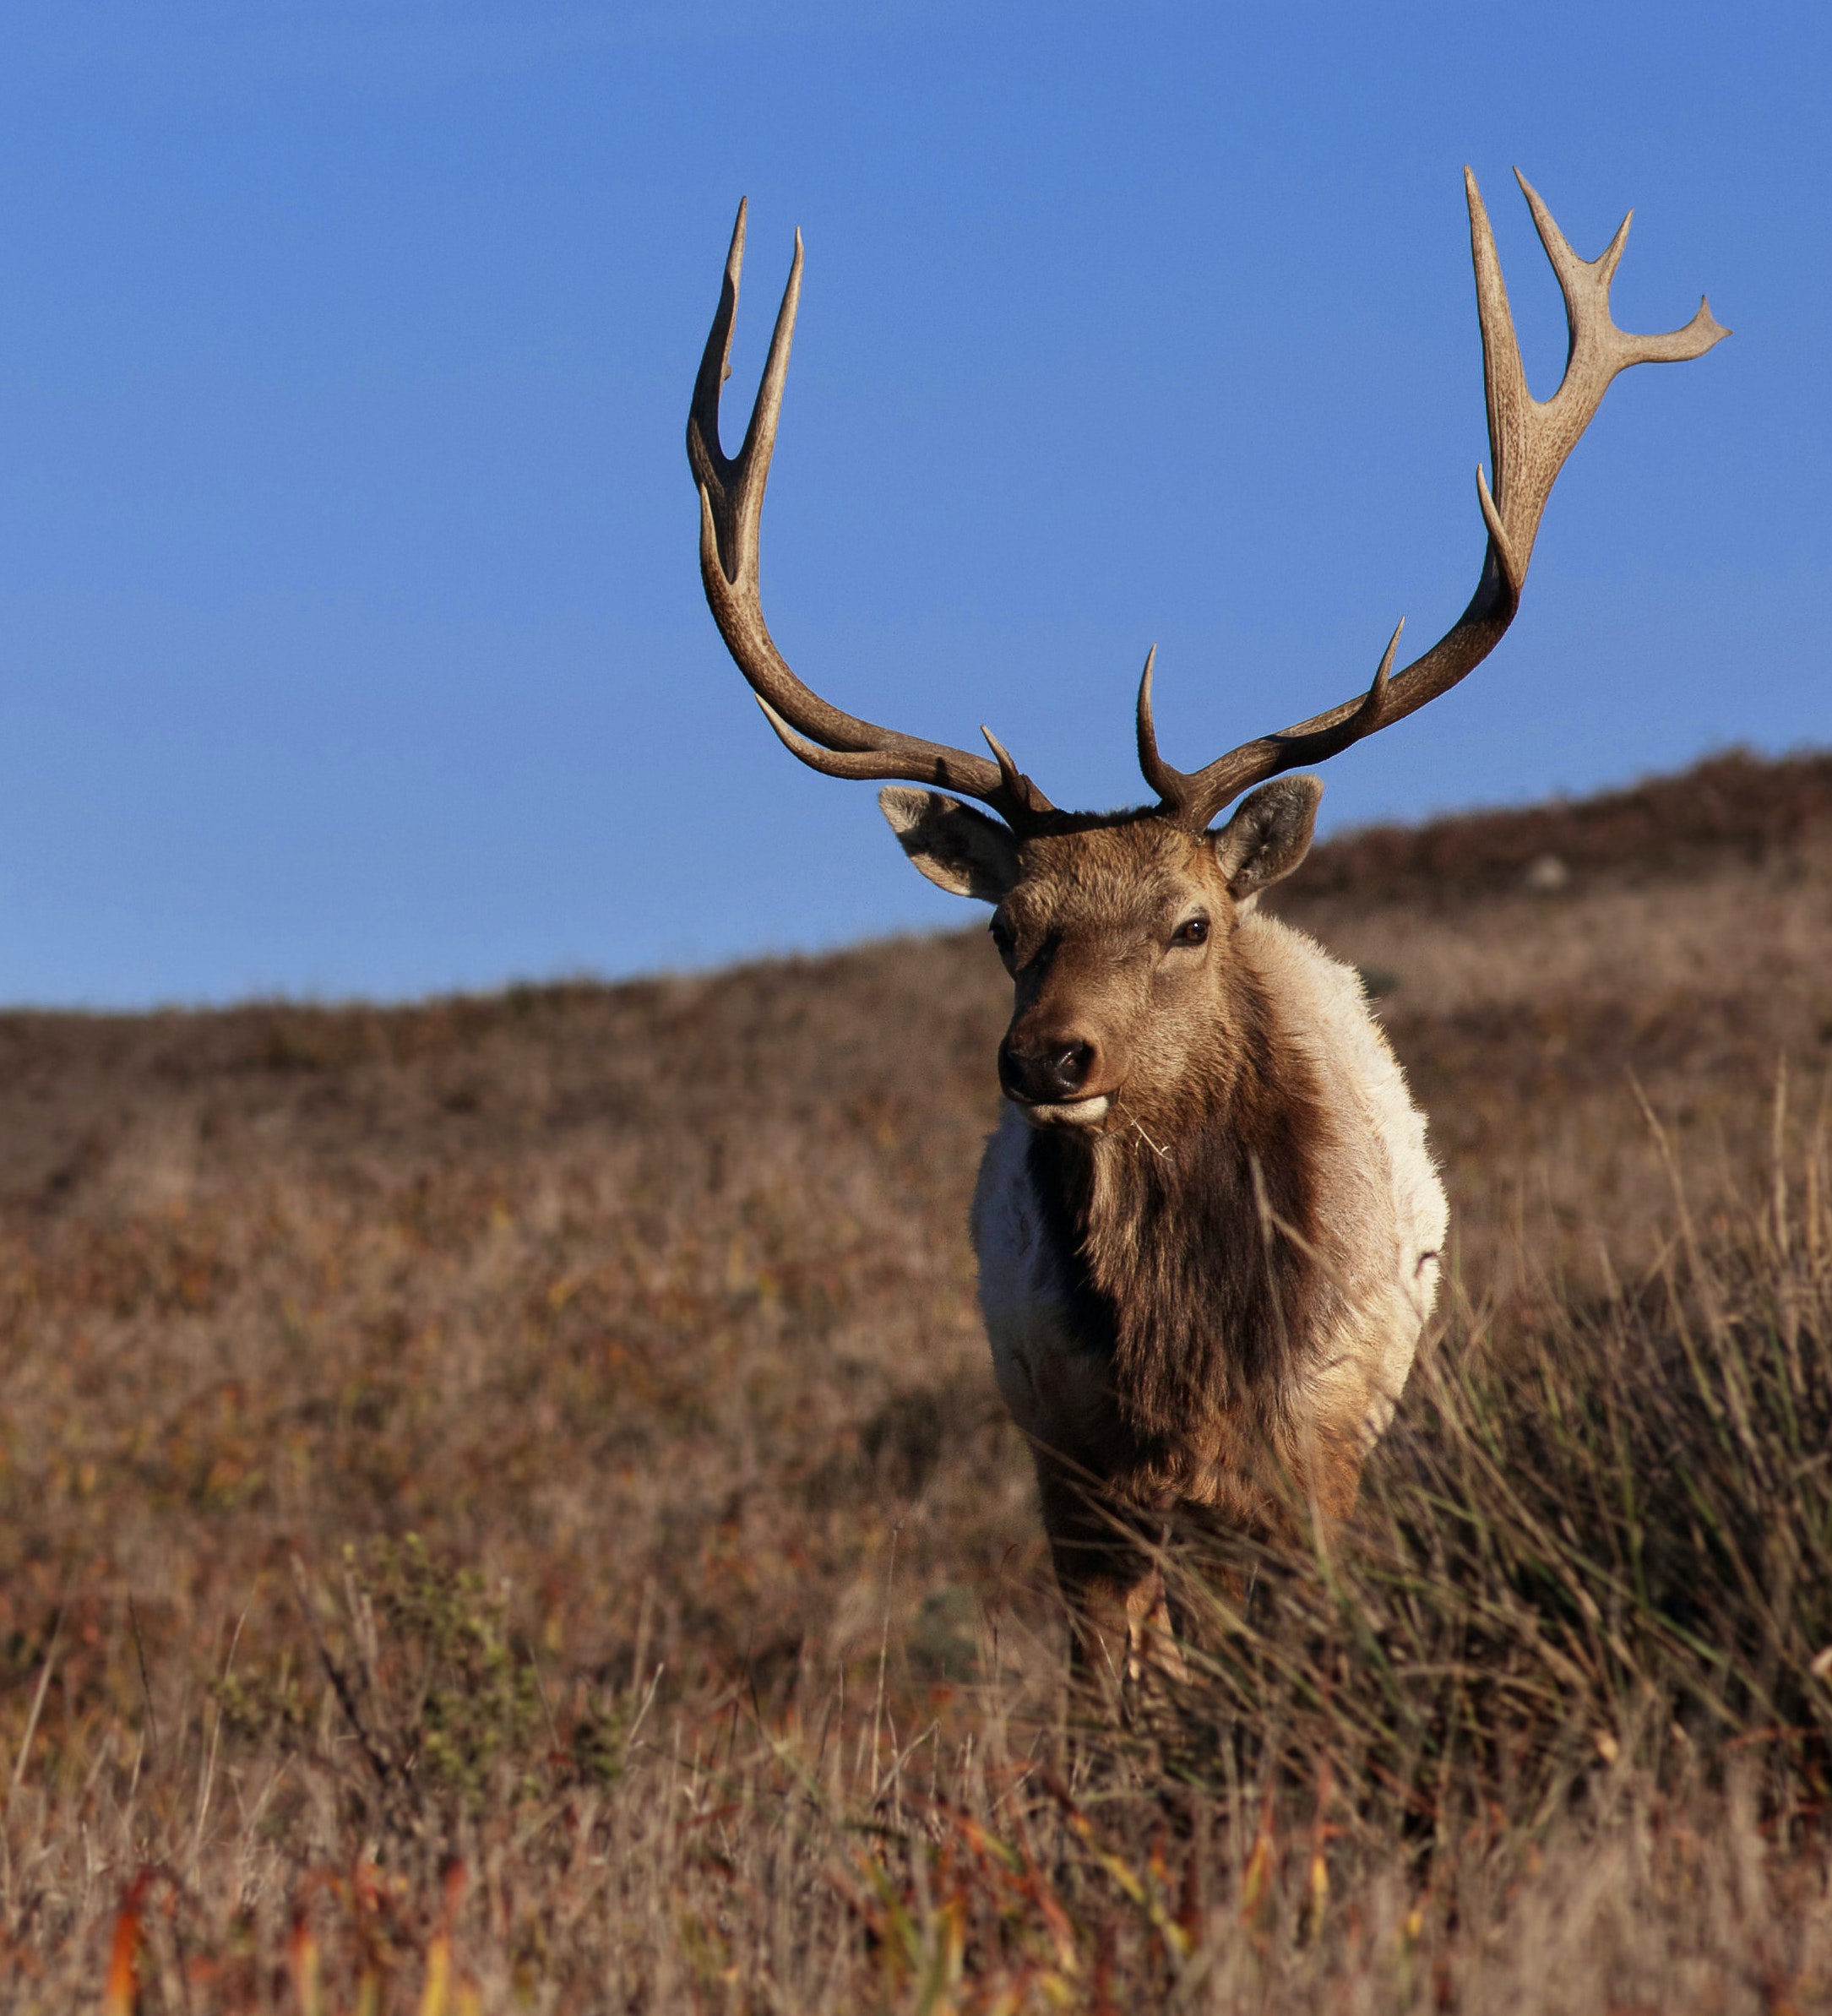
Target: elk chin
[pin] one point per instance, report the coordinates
(1067, 1113)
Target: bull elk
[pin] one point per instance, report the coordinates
(1209, 1226)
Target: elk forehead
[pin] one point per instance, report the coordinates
(1125, 880)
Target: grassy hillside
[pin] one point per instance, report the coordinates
(513, 1485)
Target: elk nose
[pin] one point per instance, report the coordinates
(1048, 1076)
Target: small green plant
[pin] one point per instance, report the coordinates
(467, 1699)
(427, 1673)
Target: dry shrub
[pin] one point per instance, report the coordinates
(1606, 1542)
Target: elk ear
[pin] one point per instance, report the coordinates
(959, 850)
(1269, 836)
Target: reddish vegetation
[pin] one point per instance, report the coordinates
(1731, 809)
(647, 1312)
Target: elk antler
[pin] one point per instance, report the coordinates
(731, 504)
(1528, 441)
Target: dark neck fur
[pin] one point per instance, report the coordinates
(1174, 1273)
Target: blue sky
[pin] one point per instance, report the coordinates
(352, 640)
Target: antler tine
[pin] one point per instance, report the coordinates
(1529, 440)
(1157, 773)
(1185, 796)
(731, 505)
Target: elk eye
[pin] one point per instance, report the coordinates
(1001, 936)
(1194, 932)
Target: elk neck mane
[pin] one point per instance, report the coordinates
(1188, 1241)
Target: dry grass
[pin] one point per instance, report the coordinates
(505, 1505)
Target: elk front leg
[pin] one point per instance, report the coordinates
(1105, 1558)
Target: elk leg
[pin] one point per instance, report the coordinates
(1119, 1625)
(1150, 1638)
(1326, 1464)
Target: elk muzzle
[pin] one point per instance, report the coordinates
(1048, 1077)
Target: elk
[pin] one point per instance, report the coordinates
(1209, 1226)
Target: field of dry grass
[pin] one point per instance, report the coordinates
(505, 1504)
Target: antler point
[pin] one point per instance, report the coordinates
(829, 740)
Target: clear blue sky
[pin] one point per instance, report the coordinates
(352, 640)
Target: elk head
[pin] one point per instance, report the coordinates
(1118, 927)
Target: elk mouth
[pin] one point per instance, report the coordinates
(1065, 1112)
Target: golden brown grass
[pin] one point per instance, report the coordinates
(505, 1506)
